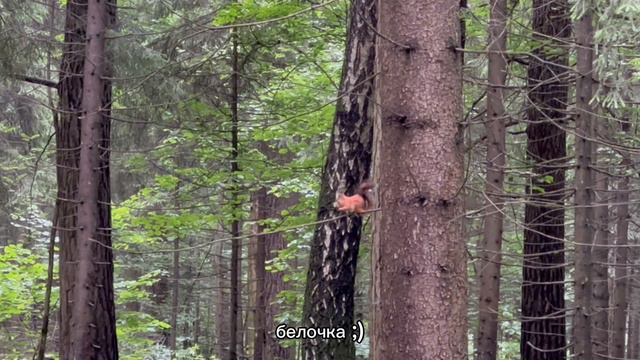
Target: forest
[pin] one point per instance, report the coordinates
(319, 179)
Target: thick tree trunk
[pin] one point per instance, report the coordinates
(584, 188)
(490, 256)
(330, 287)
(420, 278)
(267, 284)
(543, 307)
(87, 304)
(620, 302)
(274, 284)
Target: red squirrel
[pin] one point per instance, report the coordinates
(360, 202)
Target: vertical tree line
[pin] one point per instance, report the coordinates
(83, 147)
(200, 143)
(543, 333)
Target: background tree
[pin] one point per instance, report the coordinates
(543, 292)
(171, 157)
(584, 198)
(491, 247)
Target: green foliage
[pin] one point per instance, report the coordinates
(255, 10)
(22, 280)
(136, 329)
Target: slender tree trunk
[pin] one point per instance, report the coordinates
(175, 293)
(46, 313)
(197, 321)
(236, 244)
(600, 255)
(543, 307)
(259, 272)
(44, 330)
(584, 188)
(330, 287)
(420, 278)
(489, 267)
(633, 349)
(221, 310)
(620, 302)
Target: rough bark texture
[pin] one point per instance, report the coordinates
(88, 311)
(420, 279)
(490, 256)
(330, 287)
(620, 302)
(583, 346)
(274, 284)
(268, 284)
(86, 268)
(543, 306)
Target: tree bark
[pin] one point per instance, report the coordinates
(175, 293)
(89, 295)
(420, 278)
(221, 309)
(543, 305)
(259, 272)
(274, 284)
(633, 349)
(620, 293)
(330, 287)
(490, 256)
(267, 284)
(236, 243)
(600, 255)
(584, 188)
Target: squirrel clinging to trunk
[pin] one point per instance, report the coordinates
(360, 202)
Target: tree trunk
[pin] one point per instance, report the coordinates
(267, 284)
(274, 284)
(491, 257)
(259, 273)
(46, 312)
(584, 188)
(175, 293)
(330, 287)
(600, 255)
(633, 350)
(620, 302)
(87, 304)
(420, 278)
(236, 243)
(543, 306)
(221, 310)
